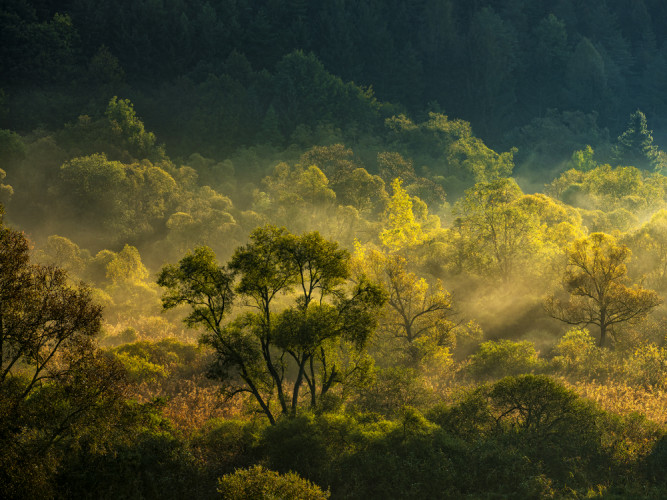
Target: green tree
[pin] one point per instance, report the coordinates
(126, 266)
(12, 150)
(586, 76)
(54, 382)
(597, 283)
(583, 159)
(257, 349)
(65, 254)
(547, 62)
(490, 81)
(300, 197)
(132, 295)
(496, 359)
(129, 129)
(635, 146)
(500, 232)
(363, 191)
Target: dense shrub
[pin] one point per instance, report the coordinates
(495, 359)
(258, 483)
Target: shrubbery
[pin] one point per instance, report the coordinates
(495, 359)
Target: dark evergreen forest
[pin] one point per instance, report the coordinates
(207, 75)
(295, 249)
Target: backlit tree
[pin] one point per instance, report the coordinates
(597, 284)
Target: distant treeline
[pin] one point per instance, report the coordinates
(228, 72)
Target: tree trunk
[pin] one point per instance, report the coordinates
(603, 335)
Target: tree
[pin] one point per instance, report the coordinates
(402, 230)
(53, 380)
(586, 77)
(490, 79)
(315, 338)
(416, 315)
(649, 243)
(363, 191)
(132, 295)
(299, 196)
(596, 280)
(498, 229)
(130, 131)
(547, 63)
(635, 146)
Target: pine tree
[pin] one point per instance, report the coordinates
(635, 145)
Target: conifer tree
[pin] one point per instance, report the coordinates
(635, 146)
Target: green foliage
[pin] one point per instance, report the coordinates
(546, 428)
(105, 68)
(140, 370)
(147, 459)
(575, 351)
(609, 189)
(12, 150)
(112, 200)
(227, 444)
(256, 90)
(523, 436)
(54, 382)
(635, 146)
(126, 266)
(64, 253)
(298, 197)
(402, 230)
(127, 286)
(130, 130)
(459, 158)
(596, 280)
(647, 366)
(391, 389)
(496, 359)
(206, 219)
(306, 94)
(415, 326)
(649, 245)
(497, 231)
(583, 160)
(254, 349)
(258, 483)
(199, 282)
(154, 361)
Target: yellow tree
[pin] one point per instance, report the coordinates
(130, 291)
(416, 320)
(500, 232)
(649, 243)
(597, 283)
(402, 230)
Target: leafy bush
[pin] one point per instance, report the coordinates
(392, 389)
(647, 366)
(496, 359)
(258, 483)
(576, 354)
(227, 444)
(296, 444)
(141, 370)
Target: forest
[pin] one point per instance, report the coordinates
(291, 249)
